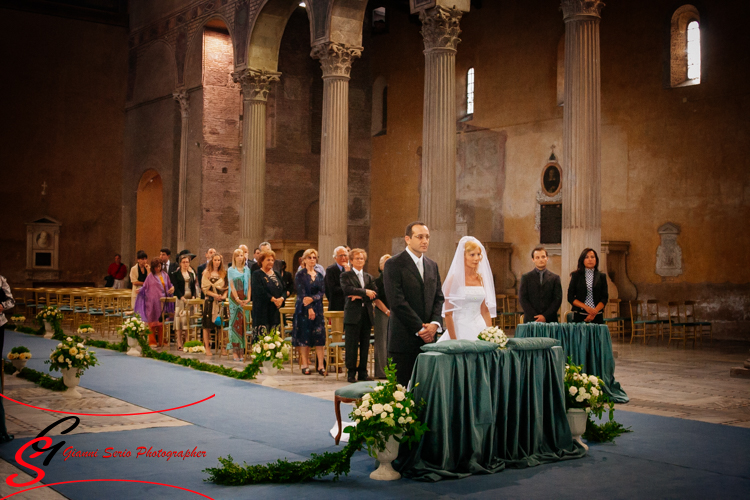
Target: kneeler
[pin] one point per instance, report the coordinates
(350, 394)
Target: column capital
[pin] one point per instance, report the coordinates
(256, 83)
(181, 96)
(336, 58)
(577, 9)
(440, 28)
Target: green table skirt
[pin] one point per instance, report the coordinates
(587, 345)
(488, 411)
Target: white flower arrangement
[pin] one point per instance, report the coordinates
(270, 347)
(71, 354)
(194, 347)
(20, 352)
(495, 335)
(18, 318)
(49, 313)
(582, 390)
(85, 330)
(134, 327)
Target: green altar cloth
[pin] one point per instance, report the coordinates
(587, 345)
(488, 410)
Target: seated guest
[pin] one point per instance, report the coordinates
(138, 274)
(116, 272)
(184, 282)
(335, 294)
(267, 293)
(215, 289)
(309, 324)
(148, 304)
(209, 256)
(382, 314)
(288, 279)
(359, 288)
(588, 292)
(540, 292)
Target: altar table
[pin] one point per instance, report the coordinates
(488, 409)
(587, 345)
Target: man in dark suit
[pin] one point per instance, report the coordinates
(540, 293)
(412, 287)
(360, 290)
(334, 293)
(209, 255)
(167, 266)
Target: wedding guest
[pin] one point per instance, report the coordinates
(6, 304)
(334, 292)
(148, 302)
(214, 287)
(382, 314)
(309, 323)
(268, 294)
(288, 279)
(359, 289)
(540, 292)
(167, 266)
(138, 274)
(117, 272)
(587, 291)
(239, 295)
(209, 256)
(184, 282)
(256, 257)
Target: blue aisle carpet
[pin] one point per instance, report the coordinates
(663, 458)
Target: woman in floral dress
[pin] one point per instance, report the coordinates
(309, 323)
(239, 295)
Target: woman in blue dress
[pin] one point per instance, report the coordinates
(239, 295)
(309, 323)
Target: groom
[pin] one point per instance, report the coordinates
(412, 287)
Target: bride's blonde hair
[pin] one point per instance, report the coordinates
(472, 245)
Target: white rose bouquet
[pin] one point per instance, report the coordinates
(71, 354)
(51, 314)
(387, 411)
(495, 335)
(17, 318)
(270, 347)
(20, 352)
(134, 327)
(193, 346)
(85, 330)
(583, 391)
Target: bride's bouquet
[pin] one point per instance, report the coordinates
(495, 335)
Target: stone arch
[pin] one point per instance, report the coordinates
(344, 23)
(266, 33)
(193, 77)
(149, 209)
(681, 18)
(157, 59)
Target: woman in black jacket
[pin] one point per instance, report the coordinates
(183, 280)
(587, 291)
(268, 294)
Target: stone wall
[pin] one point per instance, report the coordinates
(64, 93)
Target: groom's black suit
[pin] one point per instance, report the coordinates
(413, 302)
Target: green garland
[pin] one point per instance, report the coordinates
(26, 329)
(604, 433)
(283, 471)
(39, 378)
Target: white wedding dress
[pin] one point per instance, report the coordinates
(468, 320)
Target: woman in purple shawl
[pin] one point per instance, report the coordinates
(148, 304)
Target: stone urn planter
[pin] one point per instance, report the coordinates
(49, 330)
(385, 471)
(577, 418)
(18, 364)
(134, 347)
(71, 380)
(270, 371)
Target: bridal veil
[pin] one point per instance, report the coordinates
(454, 285)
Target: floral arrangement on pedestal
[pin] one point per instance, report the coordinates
(71, 354)
(270, 347)
(584, 397)
(19, 352)
(50, 318)
(193, 347)
(134, 327)
(85, 330)
(17, 319)
(495, 335)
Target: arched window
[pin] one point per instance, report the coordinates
(470, 91)
(685, 47)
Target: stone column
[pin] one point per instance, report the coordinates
(181, 96)
(437, 205)
(336, 60)
(256, 84)
(582, 213)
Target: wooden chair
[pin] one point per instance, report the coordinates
(195, 319)
(642, 326)
(498, 320)
(335, 345)
(614, 320)
(248, 310)
(167, 319)
(704, 327)
(285, 330)
(679, 328)
(654, 311)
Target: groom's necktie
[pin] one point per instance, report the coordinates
(420, 266)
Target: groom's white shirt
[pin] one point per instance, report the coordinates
(419, 262)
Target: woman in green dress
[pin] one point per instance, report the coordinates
(239, 295)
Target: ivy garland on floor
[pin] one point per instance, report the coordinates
(604, 433)
(39, 378)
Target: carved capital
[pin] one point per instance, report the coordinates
(181, 96)
(336, 58)
(440, 28)
(256, 83)
(573, 9)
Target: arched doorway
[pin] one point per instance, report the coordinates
(149, 203)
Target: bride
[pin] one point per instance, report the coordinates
(469, 292)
